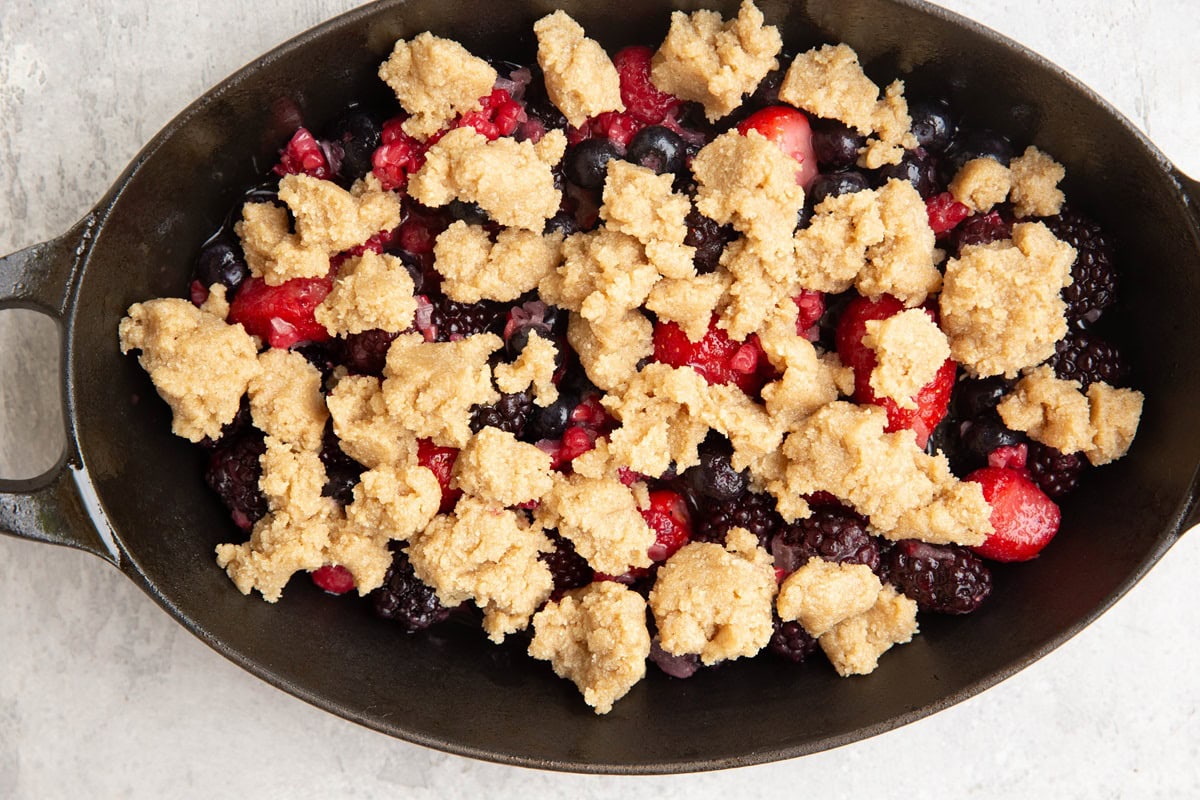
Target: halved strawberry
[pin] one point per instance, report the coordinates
(281, 315)
(668, 516)
(934, 397)
(1025, 519)
(716, 357)
(440, 461)
(788, 128)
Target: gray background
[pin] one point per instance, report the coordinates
(102, 695)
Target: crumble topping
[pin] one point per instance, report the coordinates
(689, 302)
(286, 400)
(500, 470)
(715, 601)
(580, 77)
(293, 479)
(609, 351)
(535, 367)
(364, 553)
(395, 501)
(429, 387)
(510, 180)
(642, 204)
(279, 547)
(371, 291)
(748, 182)
(910, 349)
(906, 494)
(199, 364)
(904, 263)
(855, 645)
(808, 382)
(596, 637)
(488, 555)
(366, 431)
(1000, 302)
(981, 183)
(1035, 178)
(821, 594)
(216, 303)
(604, 275)
(1055, 412)
(476, 268)
(600, 516)
(664, 414)
(435, 80)
(829, 82)
(757, 287)
(832, 250)
(715, 62)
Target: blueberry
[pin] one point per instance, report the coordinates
(932, 123)
(586, 164)
(359, 135)
(470, 213)
(415, 271)
(832, 184)
(981, 436)
(562, 222)
(221, 262)
(834, 144)
(657, 148)
(976, 398)
(708, 238)
(918, 168)
(974, 144)
(550, 422)
(714, 477)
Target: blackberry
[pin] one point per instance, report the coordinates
(458, 320)
(366, 353)
(791, 641)
(944, 579)
(357, 136)
(1054, 472)
(233, 473)
(714, 477)
(405, 599)
(322, 355)
(569, 569)
(341, 471)
(510, 413)
(1094, 278)
(708, 238)
(833, 533)
(1087, 358)
(753, 511)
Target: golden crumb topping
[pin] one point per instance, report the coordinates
(435, 80)
(580, 77)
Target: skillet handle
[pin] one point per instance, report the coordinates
(52, 507)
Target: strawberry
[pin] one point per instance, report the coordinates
(716, 357)
(933, 398)
(303, 155)
(281, 315)
(788, 128)
(440, 461)
(333, 578)
(668, 516)
(1025, 519)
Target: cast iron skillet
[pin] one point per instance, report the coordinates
(129, 492)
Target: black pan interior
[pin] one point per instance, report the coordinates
(453, 690)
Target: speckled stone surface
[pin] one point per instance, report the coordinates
(103, 695)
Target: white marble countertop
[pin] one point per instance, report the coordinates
(103, 695)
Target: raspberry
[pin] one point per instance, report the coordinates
(509, 413)
(303, 155)
(753, 511)
(499, 116)
(945, 213)
(617, 127)
(717, 358)
(1094, 278)
(399, 156)
(668, 516)
(833, 533)
(366, 353)
(791, 641)
(569, 569)
(419, 231)
(575, 441)
(281, 315)
(642, 99)
(1024, 518)
(982, 229)
(440, 461)
(942, 579)
(932, 400)
(333, 578)
(811, 306)
(1087, 358)
(233, 473)
(455, 320)
(405, 599)
(708, 238)
(1056, 473)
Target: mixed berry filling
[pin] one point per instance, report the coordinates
(564, 410)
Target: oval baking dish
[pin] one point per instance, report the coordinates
(131, 493)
